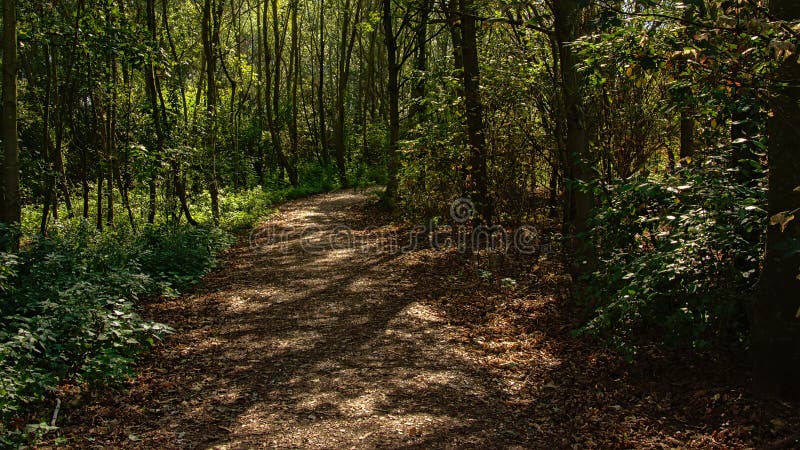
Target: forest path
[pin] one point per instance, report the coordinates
(318, 333)
(308, 337)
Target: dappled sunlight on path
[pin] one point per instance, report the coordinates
(317, 332)
(308, 341)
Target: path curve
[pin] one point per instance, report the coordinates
(307, 337)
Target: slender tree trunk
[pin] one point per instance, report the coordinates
(150, 88)
(176, 58)
(239, 178)
(341, 88)
(326, 159)
(58, 156)
(110, 194)
(559, 154)
(111, 146)
(687, 135)
(294, 74)
(10, 209)
(126, 203)
(687, 123)
(84, 172)
(553, 186)
(670, 160)
(454, 26)
(776, 324)
(291, 171)
(393, 88)
(276, 122)
(371, 100)
(210, 38)
(177, 177)
(47, 146)
(347, 39)
(100, 197)
(85, 183)
(272, 78)
(180, 188)
(478, 183)
(421, 62)
(368, 93)
(259, 163)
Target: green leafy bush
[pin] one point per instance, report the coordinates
(678, 258)
(7, 264)
(241, 209)
(179, 255)
(67, 306)
(67, 301)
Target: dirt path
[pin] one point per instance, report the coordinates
(306, 341)
(317, 333)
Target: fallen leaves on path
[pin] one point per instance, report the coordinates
(324, 339)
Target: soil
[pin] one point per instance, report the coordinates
(319, 331)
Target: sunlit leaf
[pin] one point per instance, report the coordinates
(782, 218)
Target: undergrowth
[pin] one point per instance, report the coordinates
(67, 308)
(678, 259)
(68, 301)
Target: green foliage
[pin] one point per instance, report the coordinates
(179, 256)
(315, 178)
(8, 262)
(67, 305)
(431, 174)
(373, 143)
(240, 210)
(68, 300)
(678, 257)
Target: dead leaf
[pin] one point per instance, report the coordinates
(782, 218)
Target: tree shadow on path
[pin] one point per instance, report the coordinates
(309, 337)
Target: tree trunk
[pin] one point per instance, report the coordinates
(294, 74)
(291, 171)
(259, 163)
(110, 194)
(326, 159)
(10, 209)
(393, 88)
(476, 141)
(776, 317)
(100, 197)
(687, 135)
(687, 122)
(126, 202)
(152, 97)
(111, 146)
(420, 63)
(85, 183)
(47, 147)
(579, 172)
(367, 93)
(347, 40)
(454, 21)
(58, 154)
(272, 78)
(210, 38)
